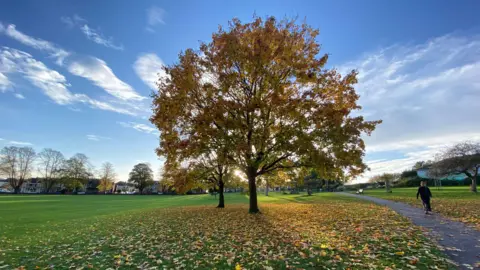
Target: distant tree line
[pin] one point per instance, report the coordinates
(53, 170)
(460, 159)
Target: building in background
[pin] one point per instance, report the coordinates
(124, 188)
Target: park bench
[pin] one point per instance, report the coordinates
(360, 191)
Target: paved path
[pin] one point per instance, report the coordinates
(461, 243)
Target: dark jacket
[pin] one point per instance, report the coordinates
(424, 193)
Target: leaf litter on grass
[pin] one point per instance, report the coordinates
(325, 235)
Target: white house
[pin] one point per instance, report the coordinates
(5, 186)
(124, 188)
(33, 185)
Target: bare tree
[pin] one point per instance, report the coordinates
(16, 163)
(50, 164)
(460, 158)
(107, 177)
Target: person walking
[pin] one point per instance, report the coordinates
(425, 194)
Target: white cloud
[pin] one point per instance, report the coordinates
(91, 34)
(140, 127)
(36, 43)
(4, 82)
(149, 67)
(91, 68)
(426, 94)
(98, 38)
(97, 138)
(420, 141)
(20, 143)
(102, 105)
(19, 96)
(412, 151)
(52, 83)
(97, 71)
(155, 16)
(72, 21)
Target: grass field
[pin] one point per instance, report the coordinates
(324, 231)
(454, 202)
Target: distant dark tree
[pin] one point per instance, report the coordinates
(16, 163)
(312, 181)
(461, 158)
(142, 176)
(421, 164)
(409, 174)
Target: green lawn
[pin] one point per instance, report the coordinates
(454, 202)
(188, 232)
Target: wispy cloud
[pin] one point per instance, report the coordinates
(73, 21)
(155, 16)
(426, 94)
(140, 127)
(93, 103)
(149, 67)
(52, 83)
(4, 82)
(97, 138)
(98, 72)
(19, 96)
(91, 68)
(91, 34)
(40, 44)
(98, 38)
(20, 143)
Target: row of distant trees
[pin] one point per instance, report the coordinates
(17, 164)
(461, 158)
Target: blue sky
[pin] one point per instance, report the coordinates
(76, 75)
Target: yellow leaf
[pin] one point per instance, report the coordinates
(238, 267)
(399, 253)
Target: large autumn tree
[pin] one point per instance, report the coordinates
(263, 89)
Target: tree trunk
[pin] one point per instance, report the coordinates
(221, 199)
(252, 186)
(266, 189)
(473, 187)
(16, 190)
